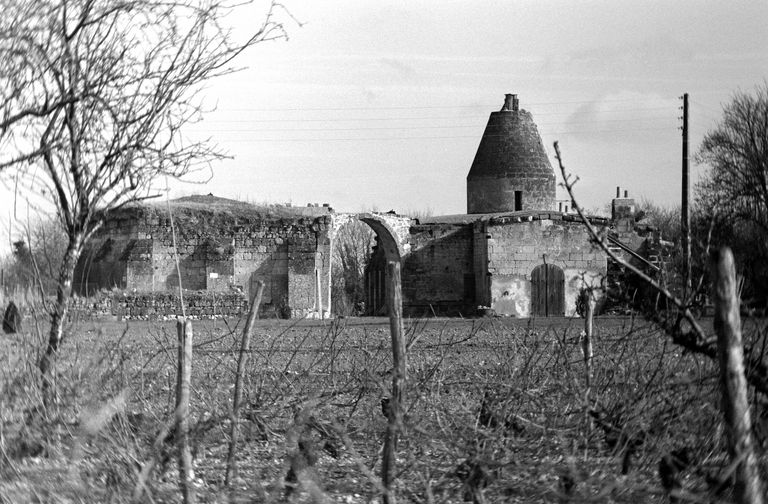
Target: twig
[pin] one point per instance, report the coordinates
(242, 360)
(695, 342)
(175, 253)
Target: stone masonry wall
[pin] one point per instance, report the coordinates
(159, 306)
(221, 251)
(497, 193)
(515, 248)
(438, 274)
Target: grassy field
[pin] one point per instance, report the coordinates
(497, 410)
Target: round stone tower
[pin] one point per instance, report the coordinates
(511, 171)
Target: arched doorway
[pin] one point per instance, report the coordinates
(377, 282)
(547, 291)
(391, 240)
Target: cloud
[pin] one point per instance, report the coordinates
(398, 65)
(626, 115)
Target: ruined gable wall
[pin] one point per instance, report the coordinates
(438, 274)
(515, 248)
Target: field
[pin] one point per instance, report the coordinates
(496, 411)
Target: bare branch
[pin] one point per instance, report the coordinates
(97, 95)
(690, 336)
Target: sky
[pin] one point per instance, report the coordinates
(381, 104)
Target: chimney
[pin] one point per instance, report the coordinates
(623, 212)
(510, 103)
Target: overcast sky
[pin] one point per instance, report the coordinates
(381, 104)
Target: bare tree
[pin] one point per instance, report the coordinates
(733, 196)
(737, 152)
(677, 321)
(36, 256)
(99, 93)
(351, 253)
(738, 367)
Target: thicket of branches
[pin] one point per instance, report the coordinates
(733, 196)
(35, 258)
(351, 253)
(731, 202)
(97, 94)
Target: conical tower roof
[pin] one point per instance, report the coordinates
(510, 159)
(510, 145)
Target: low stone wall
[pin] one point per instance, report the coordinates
(159, 306)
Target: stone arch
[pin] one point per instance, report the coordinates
(392, 233)
(388, 237)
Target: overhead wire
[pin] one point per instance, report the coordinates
(431, 107)
(348, 123)
(616, 131)
(366, 118)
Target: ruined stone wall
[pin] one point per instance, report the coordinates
(220, 251)
(438, 274)
(104, 264)
(514, 249)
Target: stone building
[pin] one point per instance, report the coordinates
(516, 252)
(224, 248)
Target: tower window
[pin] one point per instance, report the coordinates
(518, 201)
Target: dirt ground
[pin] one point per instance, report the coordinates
(496, 410)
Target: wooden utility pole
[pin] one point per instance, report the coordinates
(685, 218)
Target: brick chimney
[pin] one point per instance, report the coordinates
(623, 212)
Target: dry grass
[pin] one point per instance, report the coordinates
(312, 406)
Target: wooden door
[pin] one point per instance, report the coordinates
(547, 291)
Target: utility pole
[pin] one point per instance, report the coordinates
(685, 224)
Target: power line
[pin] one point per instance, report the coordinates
(385, 128)
(365, 139)
(392, 128)
(427, 107)
(365, 118)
